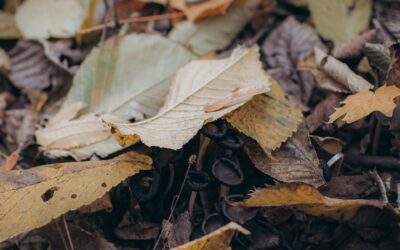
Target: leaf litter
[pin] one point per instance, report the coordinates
(248, 124)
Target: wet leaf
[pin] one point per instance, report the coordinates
(306, 198)
(295, 161)
(214, 33)
(283, 49)
(359, 105)
(199, 85)
(269, 119)
(51, 190)
(201, 10)
(41, 19)
(340, 20)
(219, 239)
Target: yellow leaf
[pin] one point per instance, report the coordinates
(197, 11)
(340, 20)
(361, 104)
(197, 85)
(32, 198)
(306, 198)
(269, 119)
(219, 239)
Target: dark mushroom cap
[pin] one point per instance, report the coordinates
(213, 222)
(145, 185)
(227, 171)
(236, 213)
(197, 180)
(163, 156)
(232, 140)
(215, 130)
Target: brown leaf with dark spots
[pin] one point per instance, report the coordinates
(295, 161)
(353, 48)
(283, 49)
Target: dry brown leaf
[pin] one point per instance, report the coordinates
(219, 239)
(201, 10)
(353, 48)
(8, 27)
(269, 119)
(359, 105)
(340, 72)
(306, 198)
(102, 203)
(393, 74)
(197, 85)
(10, 162)
(5, 62)
(51, 190)
(378, 56)
(295, 161)
(178, 233)
(321, 112)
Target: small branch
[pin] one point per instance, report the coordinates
(381, 186)
(372, 161)
(174, 15)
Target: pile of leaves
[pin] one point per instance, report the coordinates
(201, 124)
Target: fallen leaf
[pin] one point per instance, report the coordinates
(283, 49)
(5, 62)
(361, 104)
(32, 68)
(163, 2)
(269, 119)
(331, 145)
(219, 239)
(8, 27)
(10, 161)
(214, 33)
(51, 190)
(138, 231)
(41, 19)
(113, 85)
(353, 48)
(201, 10)
(321, 112)
(102, 203)
(178, 233)
(196, 85)
(340, 20)
(295, 161)
(306, 198)
(393, 74)
(378, 56)
(340, 72)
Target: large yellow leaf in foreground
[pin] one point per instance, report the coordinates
(306, 198)
(269, 119)
(203, 90)
(358, 106)
(31, 198)
(219, 239)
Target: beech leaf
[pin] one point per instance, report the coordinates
(340, 20)
(306, 198)
(219, 239)
(197, 85)
(359, 105)
(201, 10)
(51, 190)
(268, 119)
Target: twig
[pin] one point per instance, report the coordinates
(381, 186)
(174, 15)
(68, 234)
(61, 235)
(371, 161)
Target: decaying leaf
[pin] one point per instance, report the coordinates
(110, 83)
(359, 105)
(5, 62)
(393, 74)
(321, 112)
(306, 198)
(43, 19)
(197, 85)
(52, 190)
(340, 72)
(214, 33)
(342, 19)
(178, 233)
(295, 161)
(353, 48)
(283, 49)
(8, 27)
(201, 10)
(269, 119)
(378, 56)
(219, 239)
